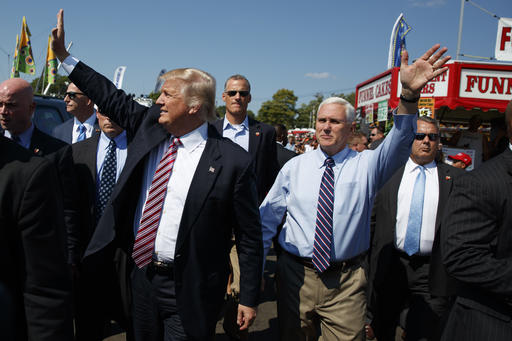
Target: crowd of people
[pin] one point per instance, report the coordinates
(161, 218)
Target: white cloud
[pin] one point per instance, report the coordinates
(318, 75)
(427, 3)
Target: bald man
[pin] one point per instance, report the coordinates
(16, 109)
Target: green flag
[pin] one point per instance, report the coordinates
(25, 60)
(51, 63)
(14, 69)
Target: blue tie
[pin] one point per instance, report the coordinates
(81, 136)
(108, 179)
(323, 232)
(412, 236)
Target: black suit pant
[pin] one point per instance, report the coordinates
(154, 308)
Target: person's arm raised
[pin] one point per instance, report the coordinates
(58, 42)
(415, 76)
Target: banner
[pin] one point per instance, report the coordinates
(119, 76)
(426, 107)
(25, 60)
(51, 63)
(382, 111)
(397, 41)
(14, 69)
(504, 40)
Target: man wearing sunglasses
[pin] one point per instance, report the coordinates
(405, 263)
(84, 123)
(327, 195)
(259, 140)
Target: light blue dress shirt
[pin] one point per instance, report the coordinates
(25, 137)
(357, 178)
(121, 152)
(238, 133)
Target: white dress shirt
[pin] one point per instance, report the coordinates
(431, 199)
(89, 127)
(187, 159)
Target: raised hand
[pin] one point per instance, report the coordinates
(415, 76)
(58, 42)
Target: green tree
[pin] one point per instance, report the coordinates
(58, 89)
(351, 97)
(307, 113)
(154, 96)
(281, 109)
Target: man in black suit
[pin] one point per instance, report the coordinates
(476, 243)
(405, 268)
(259, 140)
(283, 154)
(84, 124)
(98, 162)
(177, 290)
(34, 281)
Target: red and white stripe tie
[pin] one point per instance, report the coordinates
(148, 226)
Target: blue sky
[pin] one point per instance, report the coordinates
(306, 46)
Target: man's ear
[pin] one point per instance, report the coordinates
(194, 109)
(353, 127)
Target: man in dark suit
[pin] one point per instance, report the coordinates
(177, 290)
(98, 162)
(259, 140)
(404, 273)
(34, 281)
(283, 154)
(84, 124)
(476, 243)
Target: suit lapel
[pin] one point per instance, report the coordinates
(90, 160)
(255, 136)
(392, 196)
(444, 175)
(208, 169)
(35, 142)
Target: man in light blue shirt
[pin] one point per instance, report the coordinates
(326, 236)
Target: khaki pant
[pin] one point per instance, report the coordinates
(334, 301)
(230, 326)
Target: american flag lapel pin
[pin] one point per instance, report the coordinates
(211, 170)
(257, 133)
(448, 177)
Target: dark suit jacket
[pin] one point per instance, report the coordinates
(384, 255)
(33, 274)
(477, 251)
(262, 147)
(222, 197)
(64, 131)
(283, 155)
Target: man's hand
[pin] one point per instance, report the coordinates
(58, 43)
(414, 77)
(246, 316)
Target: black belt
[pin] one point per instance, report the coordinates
(334, 265)
(161, 268)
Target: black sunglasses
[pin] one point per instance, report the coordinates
(431, 136)
(72, 94)
(242, 93)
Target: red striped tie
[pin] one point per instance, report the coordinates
(148, 226)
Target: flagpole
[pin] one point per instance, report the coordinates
(58, 67)
(461, 19)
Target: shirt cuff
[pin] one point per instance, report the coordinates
(69, 64)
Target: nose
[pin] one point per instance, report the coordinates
(159, 100)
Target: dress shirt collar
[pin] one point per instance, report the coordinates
(244, 125)
(120, 140)
(24, 137)
(338, 158)
(89, 123)
(192, 140)
(411, 166)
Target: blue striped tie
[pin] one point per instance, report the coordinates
(81, 135)
(412, 236)
(323, 232)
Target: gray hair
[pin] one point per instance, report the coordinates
(431, 121)
(349, 109)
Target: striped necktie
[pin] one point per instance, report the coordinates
(323, 232)
(81, 135)
(148, 226)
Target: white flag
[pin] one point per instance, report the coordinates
(504, 40)
(118, 76)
